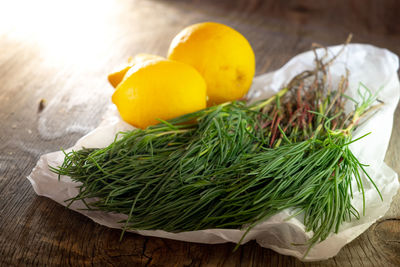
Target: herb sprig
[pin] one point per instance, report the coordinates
(233, 165)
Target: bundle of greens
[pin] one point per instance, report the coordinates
(234, 165)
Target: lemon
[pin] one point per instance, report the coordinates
(222, 56)
(159, 89)
(117, 76)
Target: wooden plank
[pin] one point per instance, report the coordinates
(66, 61)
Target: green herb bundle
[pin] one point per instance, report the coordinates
(233, 165)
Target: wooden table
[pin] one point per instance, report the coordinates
(61, 53)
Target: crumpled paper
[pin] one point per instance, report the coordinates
(376, 68)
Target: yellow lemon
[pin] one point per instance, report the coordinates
(159, 89)
(117, 76)
(222, 56)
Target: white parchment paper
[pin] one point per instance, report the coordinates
(370, 65)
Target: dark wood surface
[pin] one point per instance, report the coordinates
(61, 53)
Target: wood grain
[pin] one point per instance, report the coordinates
(62, 53)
